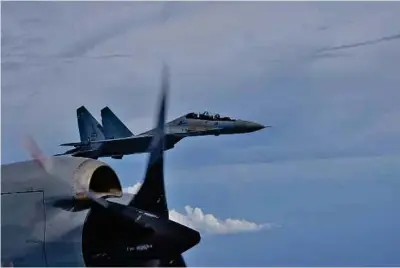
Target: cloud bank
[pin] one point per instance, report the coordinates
(208, 223)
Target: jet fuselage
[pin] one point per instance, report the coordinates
(182, 127)
(115, 140)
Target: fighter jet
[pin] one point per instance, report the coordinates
(70, 211)
(114, 139)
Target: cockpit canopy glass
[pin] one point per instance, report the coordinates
(208, 116)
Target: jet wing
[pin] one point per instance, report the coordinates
(128, 141)
(144, 138)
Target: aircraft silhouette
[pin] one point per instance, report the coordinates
(114, 139)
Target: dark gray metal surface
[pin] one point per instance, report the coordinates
(23, 228)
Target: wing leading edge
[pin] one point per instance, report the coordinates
(132, 141)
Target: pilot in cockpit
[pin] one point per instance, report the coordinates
(203, 116)
(207, 116)
(192, 115)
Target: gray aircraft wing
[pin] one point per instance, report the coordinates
(116, 145)
(139, 139)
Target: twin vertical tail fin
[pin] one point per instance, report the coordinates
(89, 127)
(113, 126)
(89, 130)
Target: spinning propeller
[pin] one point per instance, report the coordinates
(139, 233)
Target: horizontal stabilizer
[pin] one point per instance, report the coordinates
(72, 151)
(75, 144)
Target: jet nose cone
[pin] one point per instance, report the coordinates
(251, 126)
(242, 126)
(258, 126)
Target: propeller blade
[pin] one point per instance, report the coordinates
(46, 163)
(151, 195)
(160, 125)
(102, 202)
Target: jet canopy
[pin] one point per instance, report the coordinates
(208, 116)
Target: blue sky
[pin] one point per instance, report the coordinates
(324, 179)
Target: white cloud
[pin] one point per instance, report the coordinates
(132, 189)
(207, 223)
